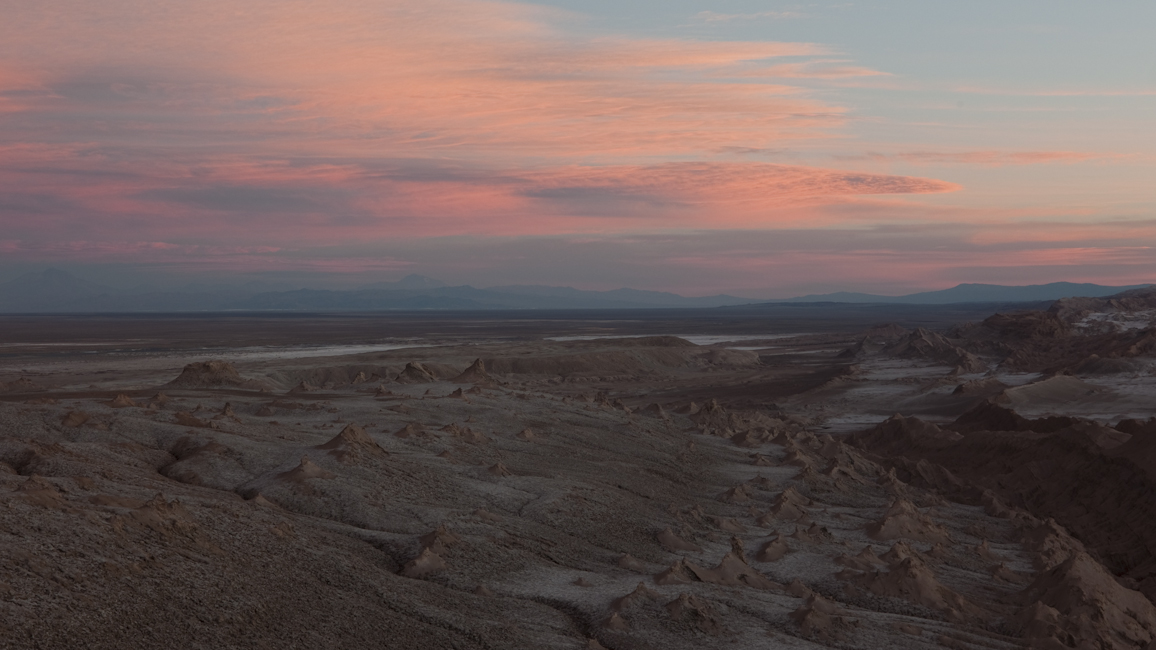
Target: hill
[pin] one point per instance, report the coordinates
(986, 293)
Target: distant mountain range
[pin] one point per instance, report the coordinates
(55, 291)
(992, 293)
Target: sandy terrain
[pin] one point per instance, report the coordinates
(983, 486)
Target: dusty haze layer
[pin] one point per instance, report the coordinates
(489, 483)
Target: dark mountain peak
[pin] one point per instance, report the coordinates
(54, 280)
(415, 281)
(976, 293)
(50, 290)
(411, 282)
(55, 274)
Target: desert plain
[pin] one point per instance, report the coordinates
(860, 479)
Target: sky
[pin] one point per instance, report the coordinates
(762, 149)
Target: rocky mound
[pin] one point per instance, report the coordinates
(122, 401)
(773, 550)
(415, 430)
(626, 358)
(1094, 364)
(329, 377)
(912, 580)
(790, 505)
(1051, 341)
(352, 443)
(440, 540)
(1140, 451)
(206, 463)
(208, 374)
(1052, 467)
(865, 560)
(986, 416)
(1078, 601)
(22, 385)
(641, 595)
(985, 387)
(475, 374)
(1059, 389)
(875, 340)
(695, 613)
(415, 373)
(675, 544)
(990, 416)
(899, 434)
(1028, 325)
(820, 619)
(903, 521)
(426, 563)
(732, 570)
(931, 346)
(306, 470)
(74, 419)
(303, 387)
(1072, 309)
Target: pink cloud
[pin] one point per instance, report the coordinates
(902, 271)
(291, 122)
(986, 158)
(731, 184)
(112, 250)
(282, 202)
(440, 77)
(817, 69)
(715, 17)
(1056, 92)
(1045, 232)
(232, 133)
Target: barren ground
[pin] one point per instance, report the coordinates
(575, 489)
